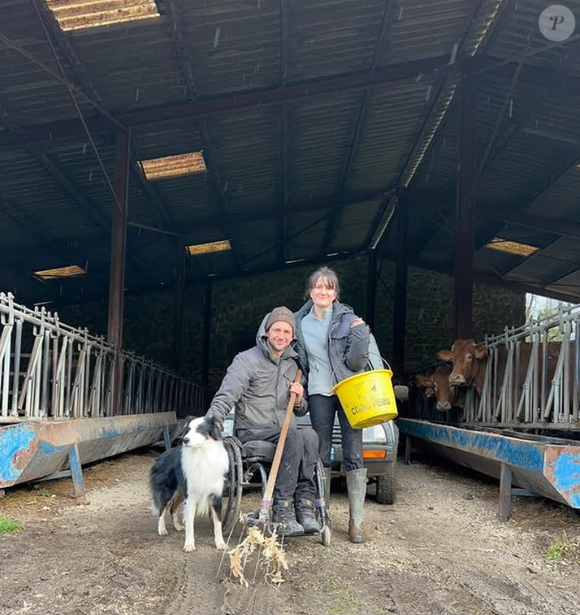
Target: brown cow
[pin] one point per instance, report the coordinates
(470, 361)
(425, 381)
(436, 382)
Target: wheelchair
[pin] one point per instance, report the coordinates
(248, 469)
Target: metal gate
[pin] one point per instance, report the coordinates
(50, 370)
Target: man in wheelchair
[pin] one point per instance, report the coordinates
(258, 384)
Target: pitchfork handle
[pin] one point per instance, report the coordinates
(280, 447)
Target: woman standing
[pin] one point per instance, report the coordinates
(333, 344)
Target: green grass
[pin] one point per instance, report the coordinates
(8, 526)
(41, 491)
(564, 550)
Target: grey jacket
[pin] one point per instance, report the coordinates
(257, 386)
(348, 349)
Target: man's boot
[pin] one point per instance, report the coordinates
(306, 516)
(284, 515)
(356, 484)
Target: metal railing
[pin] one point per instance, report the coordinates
(529, 380)
(49, 370)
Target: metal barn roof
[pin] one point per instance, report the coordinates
(308, 114)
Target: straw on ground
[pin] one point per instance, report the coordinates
(270, 555)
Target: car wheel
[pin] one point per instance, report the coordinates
(386, 486)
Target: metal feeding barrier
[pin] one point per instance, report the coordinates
(531, 381)
(524, 427)
(50, 370)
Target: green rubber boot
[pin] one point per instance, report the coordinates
(356, 484)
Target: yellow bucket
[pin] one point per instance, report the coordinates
(368, 398)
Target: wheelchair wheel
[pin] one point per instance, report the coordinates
(326, 535)
(232, 496)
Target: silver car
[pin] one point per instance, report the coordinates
(380, 444)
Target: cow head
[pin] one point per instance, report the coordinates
(464, 355)
(444, 391)
(425, 382)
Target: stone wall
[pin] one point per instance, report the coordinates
(238, 307)
(430, 312)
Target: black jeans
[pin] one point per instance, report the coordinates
(295, 478)
(322, 412)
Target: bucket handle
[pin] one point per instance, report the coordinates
(370, 353)
(382, 359)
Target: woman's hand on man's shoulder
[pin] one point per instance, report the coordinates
(357, 322)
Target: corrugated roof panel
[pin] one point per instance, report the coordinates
(568, 284)
(421, 29)
(306, 232)
(142, 72)
(258, 243)
(12, 234)
(246, 150)
(354, 226)
(36, 193)
(167, 138)
(31, 94)
(233, 46)
(565, 248)
(190, 197)
(321, 134)
(523, 234)
(329, 37)
(560, 201)
(521, 169)
(439, 168)
(492, 260)
(80, 166)
(439, 250)
(513, 38)
(558, 259)
(392, 123)
(141, 209)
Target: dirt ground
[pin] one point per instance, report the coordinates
(438, 550)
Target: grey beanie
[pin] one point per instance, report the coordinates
(281, 314)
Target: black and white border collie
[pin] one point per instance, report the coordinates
(195, 471)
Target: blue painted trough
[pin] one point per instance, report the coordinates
(545, 466)
(32, 450)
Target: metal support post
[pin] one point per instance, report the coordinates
(505, 492)
(118, 253)
(408, 448)
(76, 471)
(119, 242)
